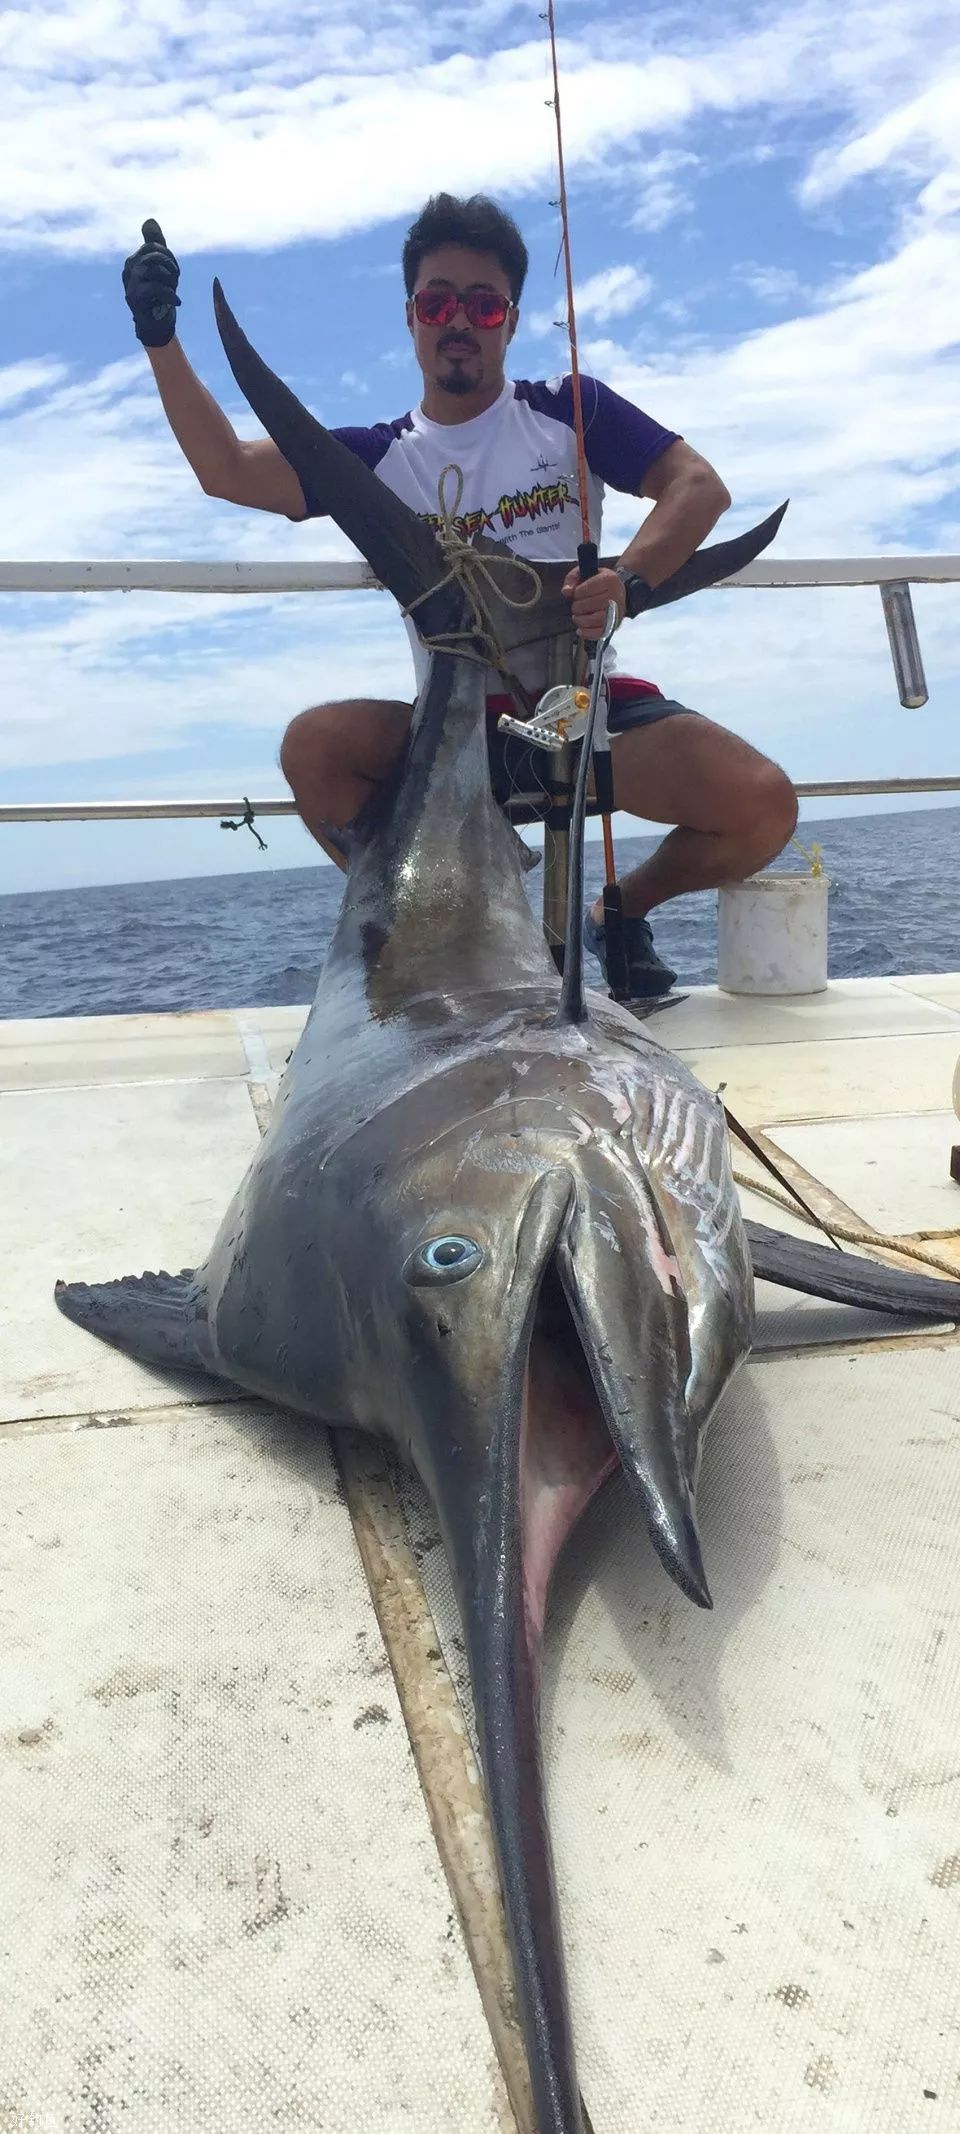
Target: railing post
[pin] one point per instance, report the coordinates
(904, 643)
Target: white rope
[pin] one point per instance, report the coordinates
(476, 574)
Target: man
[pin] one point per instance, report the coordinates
(464, 265)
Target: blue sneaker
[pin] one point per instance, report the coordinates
(649, 978)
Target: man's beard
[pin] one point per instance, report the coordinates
(457, 381)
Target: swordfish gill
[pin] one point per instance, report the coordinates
(499, 1230)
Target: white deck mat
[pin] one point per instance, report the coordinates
(847, 1078)
(756, 1812)
(99, 1182)
(896, 1176)
(223, 1910)
(849, 1008)
(765, 1837)
(76, 1050)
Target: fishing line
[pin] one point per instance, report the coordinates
(582, 478)
(588, 562)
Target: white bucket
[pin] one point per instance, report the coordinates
(773, 934)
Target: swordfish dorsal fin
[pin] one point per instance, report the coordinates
(397, 544)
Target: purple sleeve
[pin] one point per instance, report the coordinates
(622, 442)
(369, 445)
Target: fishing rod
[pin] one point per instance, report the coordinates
(588, 564)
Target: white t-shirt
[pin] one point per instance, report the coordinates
(519, 465)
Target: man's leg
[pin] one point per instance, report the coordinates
(735, 810)
(334, 755)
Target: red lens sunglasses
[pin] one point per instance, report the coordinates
(484, 307)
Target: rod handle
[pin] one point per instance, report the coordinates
(588, 559)
(588, 564)
(603, 780)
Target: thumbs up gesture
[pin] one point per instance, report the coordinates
(150, 278)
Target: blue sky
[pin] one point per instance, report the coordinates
(766, 222)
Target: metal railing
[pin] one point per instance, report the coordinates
(277, 804)
(893, 575)
(149, 576)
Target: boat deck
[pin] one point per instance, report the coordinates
(235, 1769)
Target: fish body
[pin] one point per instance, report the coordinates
(502, 1235)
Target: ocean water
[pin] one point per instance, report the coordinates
(259, 938)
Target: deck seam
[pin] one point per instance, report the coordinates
(77, 1419)
(735, 1043)
(150, 1081)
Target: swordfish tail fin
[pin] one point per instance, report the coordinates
(708, 566)
(397, 544)
(846, 1278)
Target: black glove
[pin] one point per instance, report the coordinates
(150, 279)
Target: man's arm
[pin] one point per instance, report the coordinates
(689, 498)
(242, 471)
(254, 472)
(631, 452)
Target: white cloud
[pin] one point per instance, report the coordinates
(610, 294)
(244, 127)
(852, 407)
(920, 136)
(773, 285)
(90, 469)
(663, 196)
(99, 678)
(19, 381)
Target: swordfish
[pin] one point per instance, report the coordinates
(490, 1219)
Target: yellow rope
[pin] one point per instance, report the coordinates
(814, 857)
(871, 1238)
(476, 574)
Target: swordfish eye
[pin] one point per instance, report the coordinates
(443, 1259)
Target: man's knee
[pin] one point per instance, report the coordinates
(337, 751)
(773, 813)
(306, 741)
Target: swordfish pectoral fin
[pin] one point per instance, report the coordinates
(158, 1318)
(845, 1278)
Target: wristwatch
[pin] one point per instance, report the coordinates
(635, 588)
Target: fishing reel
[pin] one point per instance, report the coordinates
(566, 711)
(560, 717)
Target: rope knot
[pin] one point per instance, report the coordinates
(476, 574)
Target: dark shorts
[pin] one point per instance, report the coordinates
(515, 768)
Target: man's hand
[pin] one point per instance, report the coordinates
(150, 278)
(591, 598)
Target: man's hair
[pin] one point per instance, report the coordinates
(477, 223)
